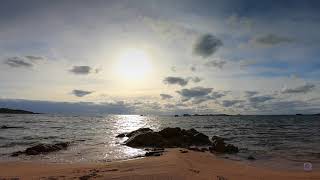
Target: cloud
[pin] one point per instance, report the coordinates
(217, 95)
(195, 92)
(207, 45)
(237, 21)
(83, 70)
(175, 80)
(196, 79)
(260, 99)
(272, 39)
(216, 63)
(80, 69)
(81, 93)
(300, 89)
(251, 93)
(229, 103)
(173, 69)
(213, 96)
(17, 62)
(193, 68)
(34, 58)
(23, 61)
(166, 96)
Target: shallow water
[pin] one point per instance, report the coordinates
(276, 140)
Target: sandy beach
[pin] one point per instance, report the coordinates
(172, 165)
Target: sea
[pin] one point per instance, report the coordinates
(276, 141)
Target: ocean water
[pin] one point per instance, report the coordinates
(276, 140)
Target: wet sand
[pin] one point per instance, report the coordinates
(173, 165)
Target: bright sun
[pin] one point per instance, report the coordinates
(133, 64)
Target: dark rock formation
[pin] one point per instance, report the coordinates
(149, 139)
(177, 137)
(251, 158)
(167, 138)
(218, 145)
(136, 132)
(42, 149)
(15, 111)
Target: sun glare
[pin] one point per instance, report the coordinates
(133, 64)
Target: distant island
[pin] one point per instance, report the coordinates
(15, 111)
(189, 115)
(186, 115)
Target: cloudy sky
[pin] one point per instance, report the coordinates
(160, 57)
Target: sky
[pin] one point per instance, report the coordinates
(160, 57)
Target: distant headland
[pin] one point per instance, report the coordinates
(15, 111)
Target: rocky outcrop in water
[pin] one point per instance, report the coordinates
(218, 145)
(136, 132)
(168, 138)
(177, 137)
(42, 149)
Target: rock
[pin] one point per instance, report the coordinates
(154, 152)
(121, 135)
(149, 139)
(230, 149)
(218, 145)
(251, 158)
(134, 133)
(194, 148)
(42, 149)
(167, 138)
(201, 139)
(183, 151)
(148, 154)
(190, 132)
(170, 132)
(203, 149)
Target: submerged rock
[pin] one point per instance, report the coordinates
(42, 149)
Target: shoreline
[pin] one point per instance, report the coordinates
(171, 165)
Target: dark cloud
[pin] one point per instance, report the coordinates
(272, 39)
(229, 103)
(175, 80)
(193, 68)
(17, 62)
(166, 96)
(81, 70)
(196, 79)
(217, 95)
(251, 93)
(35, 58)
(216, 63)
(23, 61)
(207, 45)
(300, 89)
(260, 99)
(195, 92)
(81, 93)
